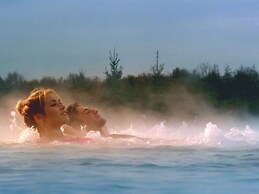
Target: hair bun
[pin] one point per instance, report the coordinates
(20, 107)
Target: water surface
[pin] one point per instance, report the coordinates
(89, 168)
(163, 160)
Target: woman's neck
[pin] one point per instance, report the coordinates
(48, 135)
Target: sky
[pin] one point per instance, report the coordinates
(58, 37)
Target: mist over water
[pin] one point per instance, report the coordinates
(213, 153)
(207, 126)
(217, 132)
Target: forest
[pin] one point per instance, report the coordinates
(180, 93)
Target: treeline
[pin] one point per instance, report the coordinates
(238, 89)
(179, 92)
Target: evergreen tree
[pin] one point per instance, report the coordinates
(115, 72)
(157, 69)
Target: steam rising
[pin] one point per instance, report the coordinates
(191, 121)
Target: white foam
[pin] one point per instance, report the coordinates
(28, 135)
(185, 135)
(160, 134)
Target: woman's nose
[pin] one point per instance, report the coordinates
(62, 106)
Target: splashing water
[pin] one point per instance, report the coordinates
(28, 135)
(160, 134)
(184, 135)
(14, 125)
(184, 159)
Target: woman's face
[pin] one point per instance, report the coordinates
(55, 115)
(90, 117)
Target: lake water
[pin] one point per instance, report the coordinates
(85, 168)
(211, 161)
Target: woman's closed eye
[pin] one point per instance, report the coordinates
(53, 103)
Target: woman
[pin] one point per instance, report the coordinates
(44, 111)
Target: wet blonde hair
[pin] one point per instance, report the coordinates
(32, 105)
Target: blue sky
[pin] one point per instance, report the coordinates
(58, 37)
